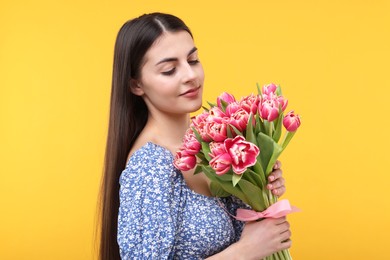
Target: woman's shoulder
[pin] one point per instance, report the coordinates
(149, 151)
(149, 160)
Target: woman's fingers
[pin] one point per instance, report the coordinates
(279, 191)
(276, 182)
(275, 174)
(277, 165)
(285, 244)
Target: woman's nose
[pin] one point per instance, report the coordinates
(189, 73)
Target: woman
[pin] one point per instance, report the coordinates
(149, 208)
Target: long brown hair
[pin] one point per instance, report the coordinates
(128, 115)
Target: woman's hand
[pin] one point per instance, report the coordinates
(276, 181)
(258, 240)
(263, 238)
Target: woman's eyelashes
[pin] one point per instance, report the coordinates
(173, 70)
(193, 62)
(169, 72)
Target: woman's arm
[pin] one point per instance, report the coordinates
(262, 238)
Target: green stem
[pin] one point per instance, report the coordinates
(276, 256)
(286, 254)
(270, 129)
(286, 139)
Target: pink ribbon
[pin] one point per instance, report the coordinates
(277, 210)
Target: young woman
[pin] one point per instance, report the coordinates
(150, 210)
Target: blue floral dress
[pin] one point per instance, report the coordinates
(160, 217)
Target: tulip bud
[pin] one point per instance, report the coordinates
(291, 121)
(184, 161)
(270, 88)
(226, 97)
(269, 109)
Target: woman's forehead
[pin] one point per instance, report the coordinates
(170, 45)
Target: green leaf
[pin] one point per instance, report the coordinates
(278, 127)
(227, 186)
(268, 127)
(224, 104)
(238, 132)
(255, 178)
(258, 88)
(217, 190)
(206, 150)
(278, 90)
(211, 104)
(250, 136)
(236, 191)
(209, 172)
(206, 108)
(275, 155)
(198, 169)
(229, 132)
(236, 178)
(200, 155)
(253, 195)
(226, 177)
(258, 124)
(262, 125)
(197, 135)
(266, 145)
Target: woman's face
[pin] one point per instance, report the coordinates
(171, 76)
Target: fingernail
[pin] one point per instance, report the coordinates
(269, 186)
(271, 178)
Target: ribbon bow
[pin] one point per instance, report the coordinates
(277, 210)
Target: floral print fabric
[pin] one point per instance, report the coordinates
(160, 217)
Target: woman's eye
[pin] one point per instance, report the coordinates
(193, 62)
(169, 72)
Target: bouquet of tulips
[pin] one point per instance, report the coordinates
(236, 144)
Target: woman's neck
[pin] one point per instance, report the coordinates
(166, 130)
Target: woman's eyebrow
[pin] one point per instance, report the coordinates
(192, 51)
(175, 59)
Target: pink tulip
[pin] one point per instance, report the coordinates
(201, 118)
(184, 161)
(270, 88)
(228, 98)
(291, 121)
(202, 130)
(239, 119)
(216, 131)
(221, 163)
(216, 148)
(250, 103)
(269, 109)
(216, 115)
(232, 108)
(190, 144)
(243, 153)
(282, 102)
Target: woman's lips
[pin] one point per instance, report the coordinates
(191, 93)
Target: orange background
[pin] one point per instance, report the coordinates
(330, 57)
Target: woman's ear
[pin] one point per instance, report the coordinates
(135, 87)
